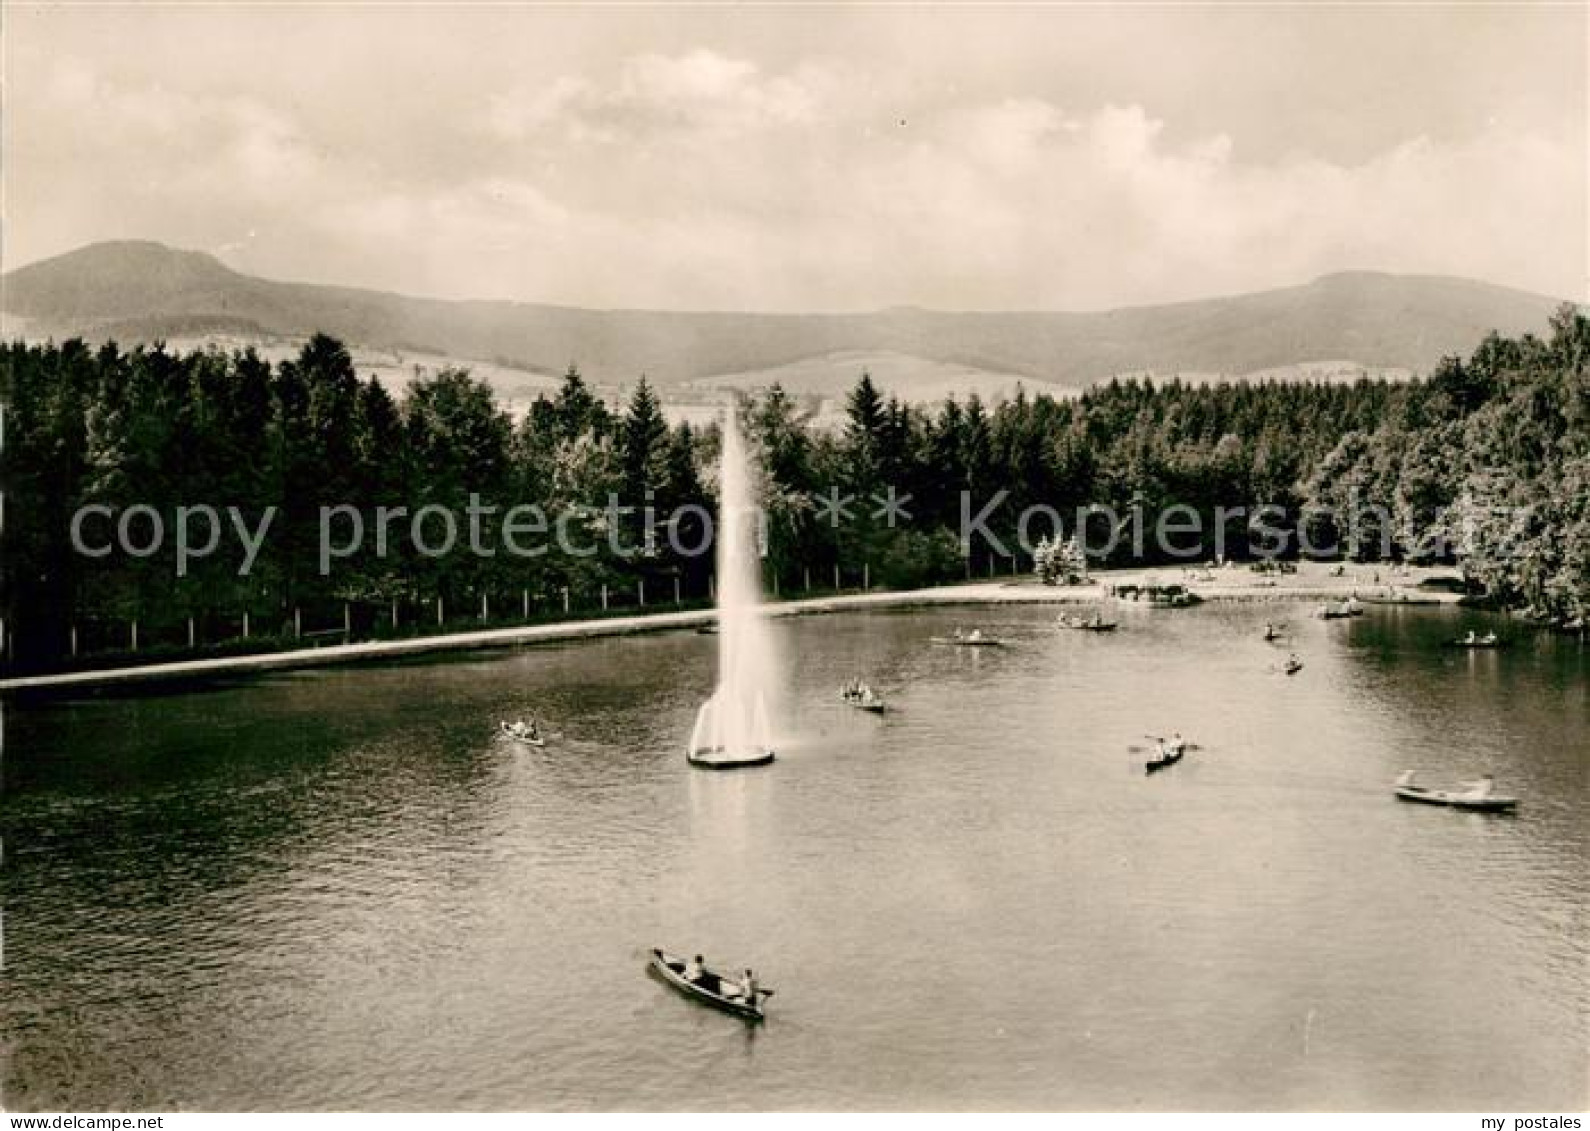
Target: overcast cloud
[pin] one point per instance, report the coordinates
(843, 158)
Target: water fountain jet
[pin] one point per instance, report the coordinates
(732, 728)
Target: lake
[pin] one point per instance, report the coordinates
(335, 890)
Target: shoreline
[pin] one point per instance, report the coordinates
(1312, 582)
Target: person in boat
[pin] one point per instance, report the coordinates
(747, 987)
(1293, 663)
(1479, 789)
(1178, 744)
(977, 634)
(1269, 631)
(694, 969)
(1471, 638)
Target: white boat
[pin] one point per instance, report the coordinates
(1474, 801)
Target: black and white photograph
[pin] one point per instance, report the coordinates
(794, 557)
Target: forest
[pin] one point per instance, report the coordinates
(1484, 463)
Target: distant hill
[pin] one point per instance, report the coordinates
(141, 291)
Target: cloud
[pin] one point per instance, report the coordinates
(703, 179)
(652, 95)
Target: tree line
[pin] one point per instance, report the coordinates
(1485, 462)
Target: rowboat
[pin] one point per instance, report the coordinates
(1489, 640)
(1293, 667)
(969, 641)
(718, 758)
(522, 738)
(870, 703)
(1172, 756)
(1453, 799)
(1399, 599)
(1081, 624)
(711, 988)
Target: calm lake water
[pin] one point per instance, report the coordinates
(334, 890)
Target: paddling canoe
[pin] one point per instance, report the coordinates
(710, 989)
(966, 641)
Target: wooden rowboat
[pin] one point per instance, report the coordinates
(1079, 625)
(1490, 640)
(1168, 760)
(508, 734)
(719, 759)
(873, 705)
(1407, 791)
(970, 641)
(710, 989)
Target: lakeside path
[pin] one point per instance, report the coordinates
(1313, 581)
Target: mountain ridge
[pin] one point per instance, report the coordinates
(141, 290)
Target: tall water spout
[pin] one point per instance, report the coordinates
(732, 728)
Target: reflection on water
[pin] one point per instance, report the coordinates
(337, 890)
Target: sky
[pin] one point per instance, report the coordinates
(832, 157)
